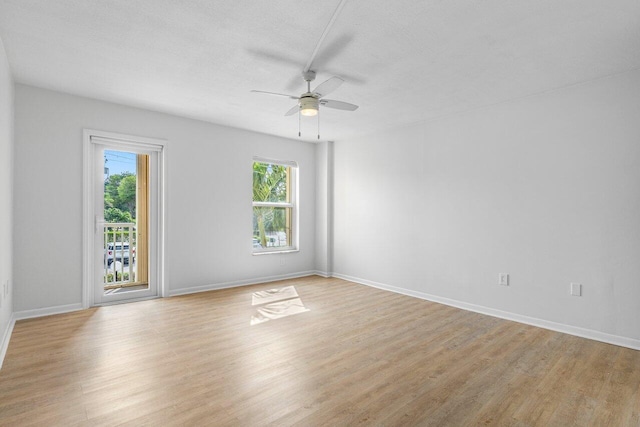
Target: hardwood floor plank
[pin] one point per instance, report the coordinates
(359, 356)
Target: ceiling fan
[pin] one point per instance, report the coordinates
(309, 102)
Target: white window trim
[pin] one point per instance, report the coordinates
(293, 204)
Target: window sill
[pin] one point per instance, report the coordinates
(275, 252)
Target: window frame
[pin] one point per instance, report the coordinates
(292, 192)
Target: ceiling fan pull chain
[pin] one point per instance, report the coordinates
(299, 134)
(318, 123)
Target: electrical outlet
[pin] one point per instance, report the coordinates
(576, 289)
(503, 279)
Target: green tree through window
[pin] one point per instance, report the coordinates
(120, 198)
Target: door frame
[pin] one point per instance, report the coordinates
(89, 214)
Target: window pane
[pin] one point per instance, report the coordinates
(270, 183)
(271, 227)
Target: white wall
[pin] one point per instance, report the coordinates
(209, 215)
(6, 197)
(324, 207)
(545, 188)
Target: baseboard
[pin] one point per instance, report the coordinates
(5, 338)
(237, 283)
(47, 311)
(324, 274)
(541, 323)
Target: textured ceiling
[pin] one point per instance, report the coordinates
(403, 61)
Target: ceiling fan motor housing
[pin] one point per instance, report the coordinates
(309, 75)
(309, 105)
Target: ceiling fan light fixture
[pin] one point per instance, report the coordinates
(309, 106)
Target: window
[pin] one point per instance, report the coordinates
(274, 206)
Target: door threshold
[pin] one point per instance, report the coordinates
(125, 301)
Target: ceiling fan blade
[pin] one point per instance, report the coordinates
(330, 52)
(278, 94)
(338, 105)
(329, 86)
(293, 110)
(324, 34)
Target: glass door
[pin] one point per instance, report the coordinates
(124, 201)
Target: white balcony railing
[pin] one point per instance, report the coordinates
(119, 255)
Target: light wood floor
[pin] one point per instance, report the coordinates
(359, 356)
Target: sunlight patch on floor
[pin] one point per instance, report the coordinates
(275, 304)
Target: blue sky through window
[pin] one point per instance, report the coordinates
(119, 161)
